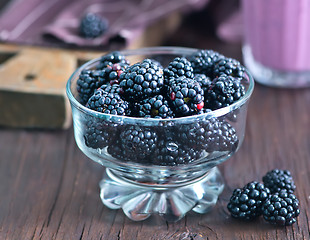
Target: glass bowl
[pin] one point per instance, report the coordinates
(141, 184)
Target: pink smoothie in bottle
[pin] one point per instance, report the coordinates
(277, 34)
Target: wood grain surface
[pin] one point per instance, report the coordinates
(49, 189)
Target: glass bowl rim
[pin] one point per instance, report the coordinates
(156, 50)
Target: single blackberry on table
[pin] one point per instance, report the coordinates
(110, 103)
(99, 134)
(246, 203)
(277, 180)
(178, 67)
(155, 107)
(138, 142)
(281, 208)
(203, 61)
(112, 58)
(172, 153)
(186, 96)
(88, 82)
(224, 91)
(92, 25)
(228, 66)
(142, 80)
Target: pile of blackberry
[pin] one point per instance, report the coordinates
(273, 199)
(187, 86)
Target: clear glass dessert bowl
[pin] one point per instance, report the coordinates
(144, 184)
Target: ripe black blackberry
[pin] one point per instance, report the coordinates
(138, 142)
(99, 134)
(142, 80)
(281, 208)
(186, 96)
(210, 135)
(246, 203)
(115, 150)
(228, 66)
(155, 107)
(112, 58)
(221, 136)
(178, 67)
(224, 91)
(173, 153)
(88, 82)
(92, 25)
(204, 81)
(277, 180)
(110, 103)
(203, 61)
(108, 88)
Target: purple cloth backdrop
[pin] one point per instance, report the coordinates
(55, 22)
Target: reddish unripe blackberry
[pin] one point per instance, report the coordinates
(113, 72)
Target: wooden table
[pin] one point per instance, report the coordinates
(49, 189)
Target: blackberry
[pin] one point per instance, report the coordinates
(204, 82)
(142, 80)
(92, 25)
(186, 96)
(155, 107)
(115, 88)
(173, 153)
(281, 208)
(112, 72)
(115, 150)
(203, 61)
(110, 103)
(88, 82)
(179, 67)
(210, 135)
(138, 142)
(112, 58)
(277, 180)
(99, 134)
(246, 203)
(228, 66)
(224, 91)
(221, 136)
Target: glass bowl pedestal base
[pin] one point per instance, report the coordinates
(171, 201)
